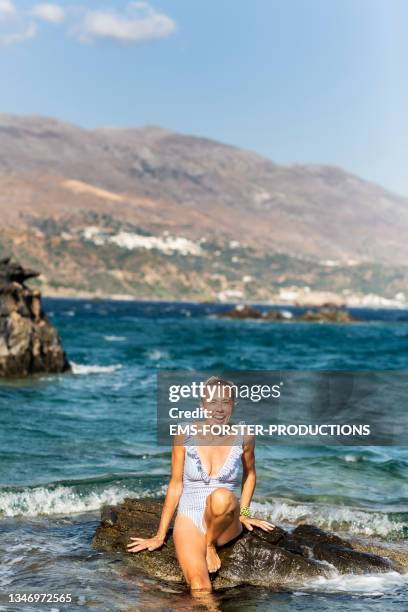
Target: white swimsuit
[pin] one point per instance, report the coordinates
(197, 484)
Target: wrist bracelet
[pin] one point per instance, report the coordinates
(245, 511)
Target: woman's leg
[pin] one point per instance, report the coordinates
(189, 542)
(221, 518)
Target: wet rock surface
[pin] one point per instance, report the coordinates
(255, 558)
(29, 343)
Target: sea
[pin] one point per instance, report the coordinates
(71, 443)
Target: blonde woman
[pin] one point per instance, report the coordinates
(204, 474)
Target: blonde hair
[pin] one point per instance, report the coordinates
(222, 382)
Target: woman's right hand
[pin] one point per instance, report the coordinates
(137, 544)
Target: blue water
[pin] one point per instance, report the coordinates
(70, 443)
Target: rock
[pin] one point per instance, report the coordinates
(328, 547)
(328, 314)
(275, 315)
(241, 311)
(255, 558)
(397, 552)
(29, 343)
(13, 272)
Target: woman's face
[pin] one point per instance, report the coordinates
(218, 403)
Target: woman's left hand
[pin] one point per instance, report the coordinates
(250, 523)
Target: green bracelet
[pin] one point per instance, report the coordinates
(244, 511)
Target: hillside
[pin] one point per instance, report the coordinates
(155, 214)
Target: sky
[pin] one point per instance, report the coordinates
(298, 81)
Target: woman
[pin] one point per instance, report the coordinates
(203, 478)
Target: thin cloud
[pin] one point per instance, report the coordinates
(49, 12)
(19, 36)
(139, 22)
(14, 28)
(7, 9)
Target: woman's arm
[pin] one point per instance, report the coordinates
(248, 486)
(171, 501)
(248, 472)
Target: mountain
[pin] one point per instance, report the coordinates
(156, 214)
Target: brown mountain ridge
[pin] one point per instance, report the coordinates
(151, 213)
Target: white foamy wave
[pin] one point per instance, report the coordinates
(353, 520)
(64, 500)
(374, 585)
(157, 355)
(114, 338)
(351, 458)
(79, 368)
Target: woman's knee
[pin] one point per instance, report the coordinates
(221, 501)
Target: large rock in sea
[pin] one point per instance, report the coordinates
(29, 343)
(241, 311)
(255, 558)
(328, 313)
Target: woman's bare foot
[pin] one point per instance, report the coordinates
(213, 560)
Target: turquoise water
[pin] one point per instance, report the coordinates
(70, 443)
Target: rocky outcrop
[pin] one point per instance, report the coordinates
(276, 315)
(328, 313)
(242, 311)
(29, 343)
(255, 558)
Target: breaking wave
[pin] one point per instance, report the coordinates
(374, 585)
(83, 496)
(78, 368)
(337, 518)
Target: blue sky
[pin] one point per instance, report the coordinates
(322, 81)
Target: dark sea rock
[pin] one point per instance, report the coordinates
(29, 343)
(255, 558)
(242, 311)
(328, 314)
(275, 315)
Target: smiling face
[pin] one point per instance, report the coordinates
(218, 401)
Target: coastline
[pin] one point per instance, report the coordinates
(269, 304)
